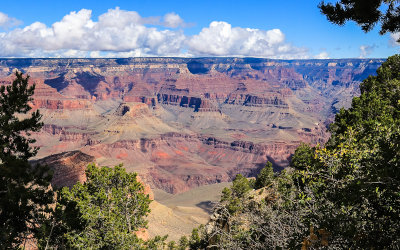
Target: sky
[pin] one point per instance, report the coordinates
(290, 29)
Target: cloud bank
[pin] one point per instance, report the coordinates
(121, 33)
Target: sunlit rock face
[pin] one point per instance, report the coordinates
(182, 122)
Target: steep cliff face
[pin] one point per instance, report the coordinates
(183, 122)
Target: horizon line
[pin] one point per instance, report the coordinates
(201, 57)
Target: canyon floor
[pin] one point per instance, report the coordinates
(177, 214)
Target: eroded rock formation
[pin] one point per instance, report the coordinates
(182, 122)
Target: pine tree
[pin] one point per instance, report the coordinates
(24, 189)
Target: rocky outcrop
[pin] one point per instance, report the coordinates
(68, 168)
(68, 136)
(196, 103)
(58, 104)
(256, 101)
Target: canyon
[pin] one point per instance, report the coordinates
(182, 123)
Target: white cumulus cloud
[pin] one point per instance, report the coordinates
(122, 33)
(116, 31)
(221, 39)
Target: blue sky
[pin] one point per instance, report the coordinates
(258, 28)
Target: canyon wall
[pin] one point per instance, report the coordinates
(185, 122)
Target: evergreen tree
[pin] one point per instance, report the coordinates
(265, 177)
(303, 157)
(357, 181)
(24, 190)
(102, 213)
(240, 186)
(366, 13)
(234, 196)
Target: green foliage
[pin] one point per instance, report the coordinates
(240, 186)
(233, 196)
(14, 101)
(265, 177)
(268, 218)
(378, 105)
(156, 243)
(24, 189)
(303, 157)
(183, 243)
(102, 213)
(366, 13)
(226, 194)
(172, 245)
(195, 241)
(357, 183)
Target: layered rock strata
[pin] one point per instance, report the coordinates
(184, 122)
